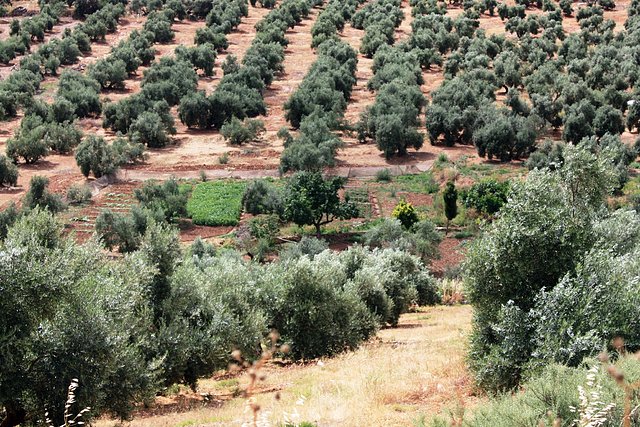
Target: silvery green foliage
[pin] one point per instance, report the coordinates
(70, 313)
(421, 240)
(207, 314)
(581, 315)
(533, 275)
(156, 316)
(310, 246)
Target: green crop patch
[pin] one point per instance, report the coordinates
(216, 203)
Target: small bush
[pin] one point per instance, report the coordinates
(383, 175)
(236, 132)
(78, 194)
(307, 246)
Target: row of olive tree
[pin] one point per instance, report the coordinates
(240, 92)
(379, 20)
(573, 82)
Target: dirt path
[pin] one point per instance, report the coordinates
(403, 32)
(365, 387)
(298, 59)
(140, 174)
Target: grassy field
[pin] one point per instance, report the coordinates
(406, 374)
(216, 203)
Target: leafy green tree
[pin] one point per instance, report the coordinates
(169, 79)
(194, 111)
(608, 120)
(315, 147)
(578, 121)
(235, 132)
(67, 51)
(127, 53)
(82, 91)
(85, 7)
(62, 138)
(487, 196)
(160, 26)
(309, 199)
(67, 321)
(504, 136)
(201, 57)
(550, 216)
(314, 316)
(61, 110)
(210, 36)
(454, 109)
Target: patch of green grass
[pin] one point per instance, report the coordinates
(216, 203)
(420, 183)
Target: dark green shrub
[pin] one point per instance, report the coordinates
(194, 111)
(148, 129)
(486, 197)
(260, 197)
(167, 197)
(81, 91)
(109, 72)
(315, 317)
(158, 24)
(29, 141)
(201, 57)
(169, 79)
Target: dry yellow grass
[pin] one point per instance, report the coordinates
(408, 372)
